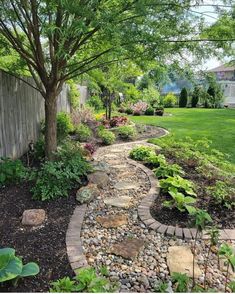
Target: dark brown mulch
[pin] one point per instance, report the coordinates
(222, 217)
(45, 245)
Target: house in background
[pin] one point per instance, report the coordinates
(225, 75)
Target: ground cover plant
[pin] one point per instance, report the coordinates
(190, 176)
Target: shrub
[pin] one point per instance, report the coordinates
(83, 132)
(141, 152)
(107, 137)
(182, 185)
(55, 179)
(86, 114)
(183, 100)
(139, 107)
(159, 111)
(39, 149)
(223, 194)
(11, 171)
(169, 100)
(95, 102)
(195, 96)
(129, 111)
(86, 280)
(149, 111)
(118, 121)
(64, 125)
(127, 132)
(155, 160)
(12, 267)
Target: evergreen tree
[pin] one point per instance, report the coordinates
(183, 98)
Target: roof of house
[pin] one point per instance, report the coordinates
(223, 67)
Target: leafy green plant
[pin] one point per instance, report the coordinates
(95, 102)
(83, 132)
(160, 287)
(11, 171)
(55, 179)
(107, 137)
(232, 286)
(87, 280)
(39, 149)
(141, 152)
(169, 100)
(227, 252)
(182, 185)
(64, 125)
(201, 219)
(166, 170)
(223, 194)
(155, 160)
(12, 267)
(74, 94)
(126, 132)
(180, 201)
(149, 111)
(181, 282)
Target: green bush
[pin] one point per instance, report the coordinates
(126, 132)
(64, 125)
(166, 170)
(141, 152)
(155, 160)
(149, 111)
(195, 96)
(129, 111)
(11, 171)
(39, 149)
(83, 132)
(107, 137)
(55, 179)
(182, 185)
(74, 94)
(183, 100)
(12, 267)
(95, 102)
(169, 100)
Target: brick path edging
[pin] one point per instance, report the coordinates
(73, 239)
(149, 221)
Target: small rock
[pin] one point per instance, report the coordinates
(144, 281)
(87, 194)
(33, 217)
(99, 178)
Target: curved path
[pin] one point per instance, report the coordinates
(113, 235)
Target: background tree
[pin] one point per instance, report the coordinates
(183, 99)
(195, 96)
(60, 39)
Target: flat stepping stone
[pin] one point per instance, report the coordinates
(120, 166)
(122, 201)
(180, 260)
(112, 221)
(128, 248)
(126, 186)
(111, 156)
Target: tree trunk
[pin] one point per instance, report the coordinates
(50, 125)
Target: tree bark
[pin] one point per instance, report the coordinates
(50, 125)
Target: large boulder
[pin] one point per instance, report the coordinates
(33, 217)
(87, 194)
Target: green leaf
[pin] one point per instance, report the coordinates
(30, 269)
(11, 270)
(7, 250)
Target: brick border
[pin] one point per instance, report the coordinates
(73, 239)
(149, 221)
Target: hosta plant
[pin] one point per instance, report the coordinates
(166, 170)
(12, 267)
(155, 160)
(182, 185)
(180, 201)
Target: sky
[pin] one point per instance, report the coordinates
(210, 15)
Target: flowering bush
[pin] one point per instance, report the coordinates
(139, 107)
(118, 121)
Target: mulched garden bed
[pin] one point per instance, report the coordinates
(222, 217)
(44, 245)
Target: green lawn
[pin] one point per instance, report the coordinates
(218, 125)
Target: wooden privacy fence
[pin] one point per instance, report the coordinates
(21, 111)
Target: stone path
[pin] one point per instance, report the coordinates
(112, 234)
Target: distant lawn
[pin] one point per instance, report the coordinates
(218, 125)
